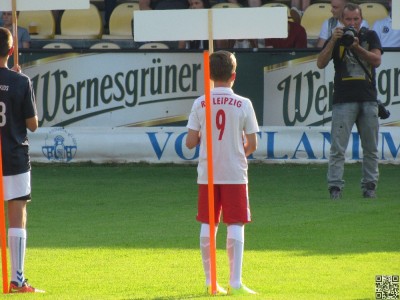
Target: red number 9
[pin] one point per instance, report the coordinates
(220, 122)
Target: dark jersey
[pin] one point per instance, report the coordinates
(352, 83)
(17, 103)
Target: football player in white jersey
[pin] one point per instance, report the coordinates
(234, 130)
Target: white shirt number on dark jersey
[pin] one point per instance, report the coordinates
(2, 114)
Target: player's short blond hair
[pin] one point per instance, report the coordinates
(222, 65)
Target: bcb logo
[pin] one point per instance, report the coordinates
(60, 145)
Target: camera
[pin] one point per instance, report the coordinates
(348, 36)
(383, 113)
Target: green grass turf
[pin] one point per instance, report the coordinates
(129, 232)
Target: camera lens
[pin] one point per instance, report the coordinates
(348, 36)
(347, 40)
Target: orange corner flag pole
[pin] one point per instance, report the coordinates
(211, 213)
(3, 229)
(15, 30)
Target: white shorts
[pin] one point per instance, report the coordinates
(17, 186)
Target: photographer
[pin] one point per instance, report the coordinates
(355, 53)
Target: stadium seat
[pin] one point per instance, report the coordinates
(40, 24)
(313, 18)
(81, 24)
(373, 12)
(226, 5)
(275, 4)
(57, 46)
(121, 21)
(105, 45)
(154, 46)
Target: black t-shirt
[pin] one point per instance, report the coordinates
(18, 101)
(352, 83)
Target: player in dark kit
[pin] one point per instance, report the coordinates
(17, 114)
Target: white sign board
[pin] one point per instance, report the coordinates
(299, 144)
(6, 5)
(131, 89)
(227, 23)
(396, 14)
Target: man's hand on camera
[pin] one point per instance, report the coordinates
(356, 44)
(337, 34)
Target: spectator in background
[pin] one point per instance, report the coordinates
(109, 6)
(243, 3)
(24, 39)
(1, 19)
(388, 36)
(297, 38)
(244, 43)
(297, 9)
(335, 21)
(237, 44)
(163, 4)
(197, 44)
(254, 3)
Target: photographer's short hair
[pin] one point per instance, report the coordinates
(222, 65)
(351, 7)
(6, 41)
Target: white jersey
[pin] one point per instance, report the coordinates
(389, 37)
(232, 116)
(330, 24)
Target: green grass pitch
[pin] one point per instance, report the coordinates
(129, 232)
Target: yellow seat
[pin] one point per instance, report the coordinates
(154, 46)
(121, 21)
(226, 5)
(81, 24)
(57, 46)
(373, 12)
(274, 4)
(40, 24)
(105, 45)
(313, 18)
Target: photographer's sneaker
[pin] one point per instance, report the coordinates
(335, 192)
(243, 290)
(25, 288)
(220, 290)
(369, 190)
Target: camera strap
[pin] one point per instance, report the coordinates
(383, 113)
(363, 66)
(369, 75)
